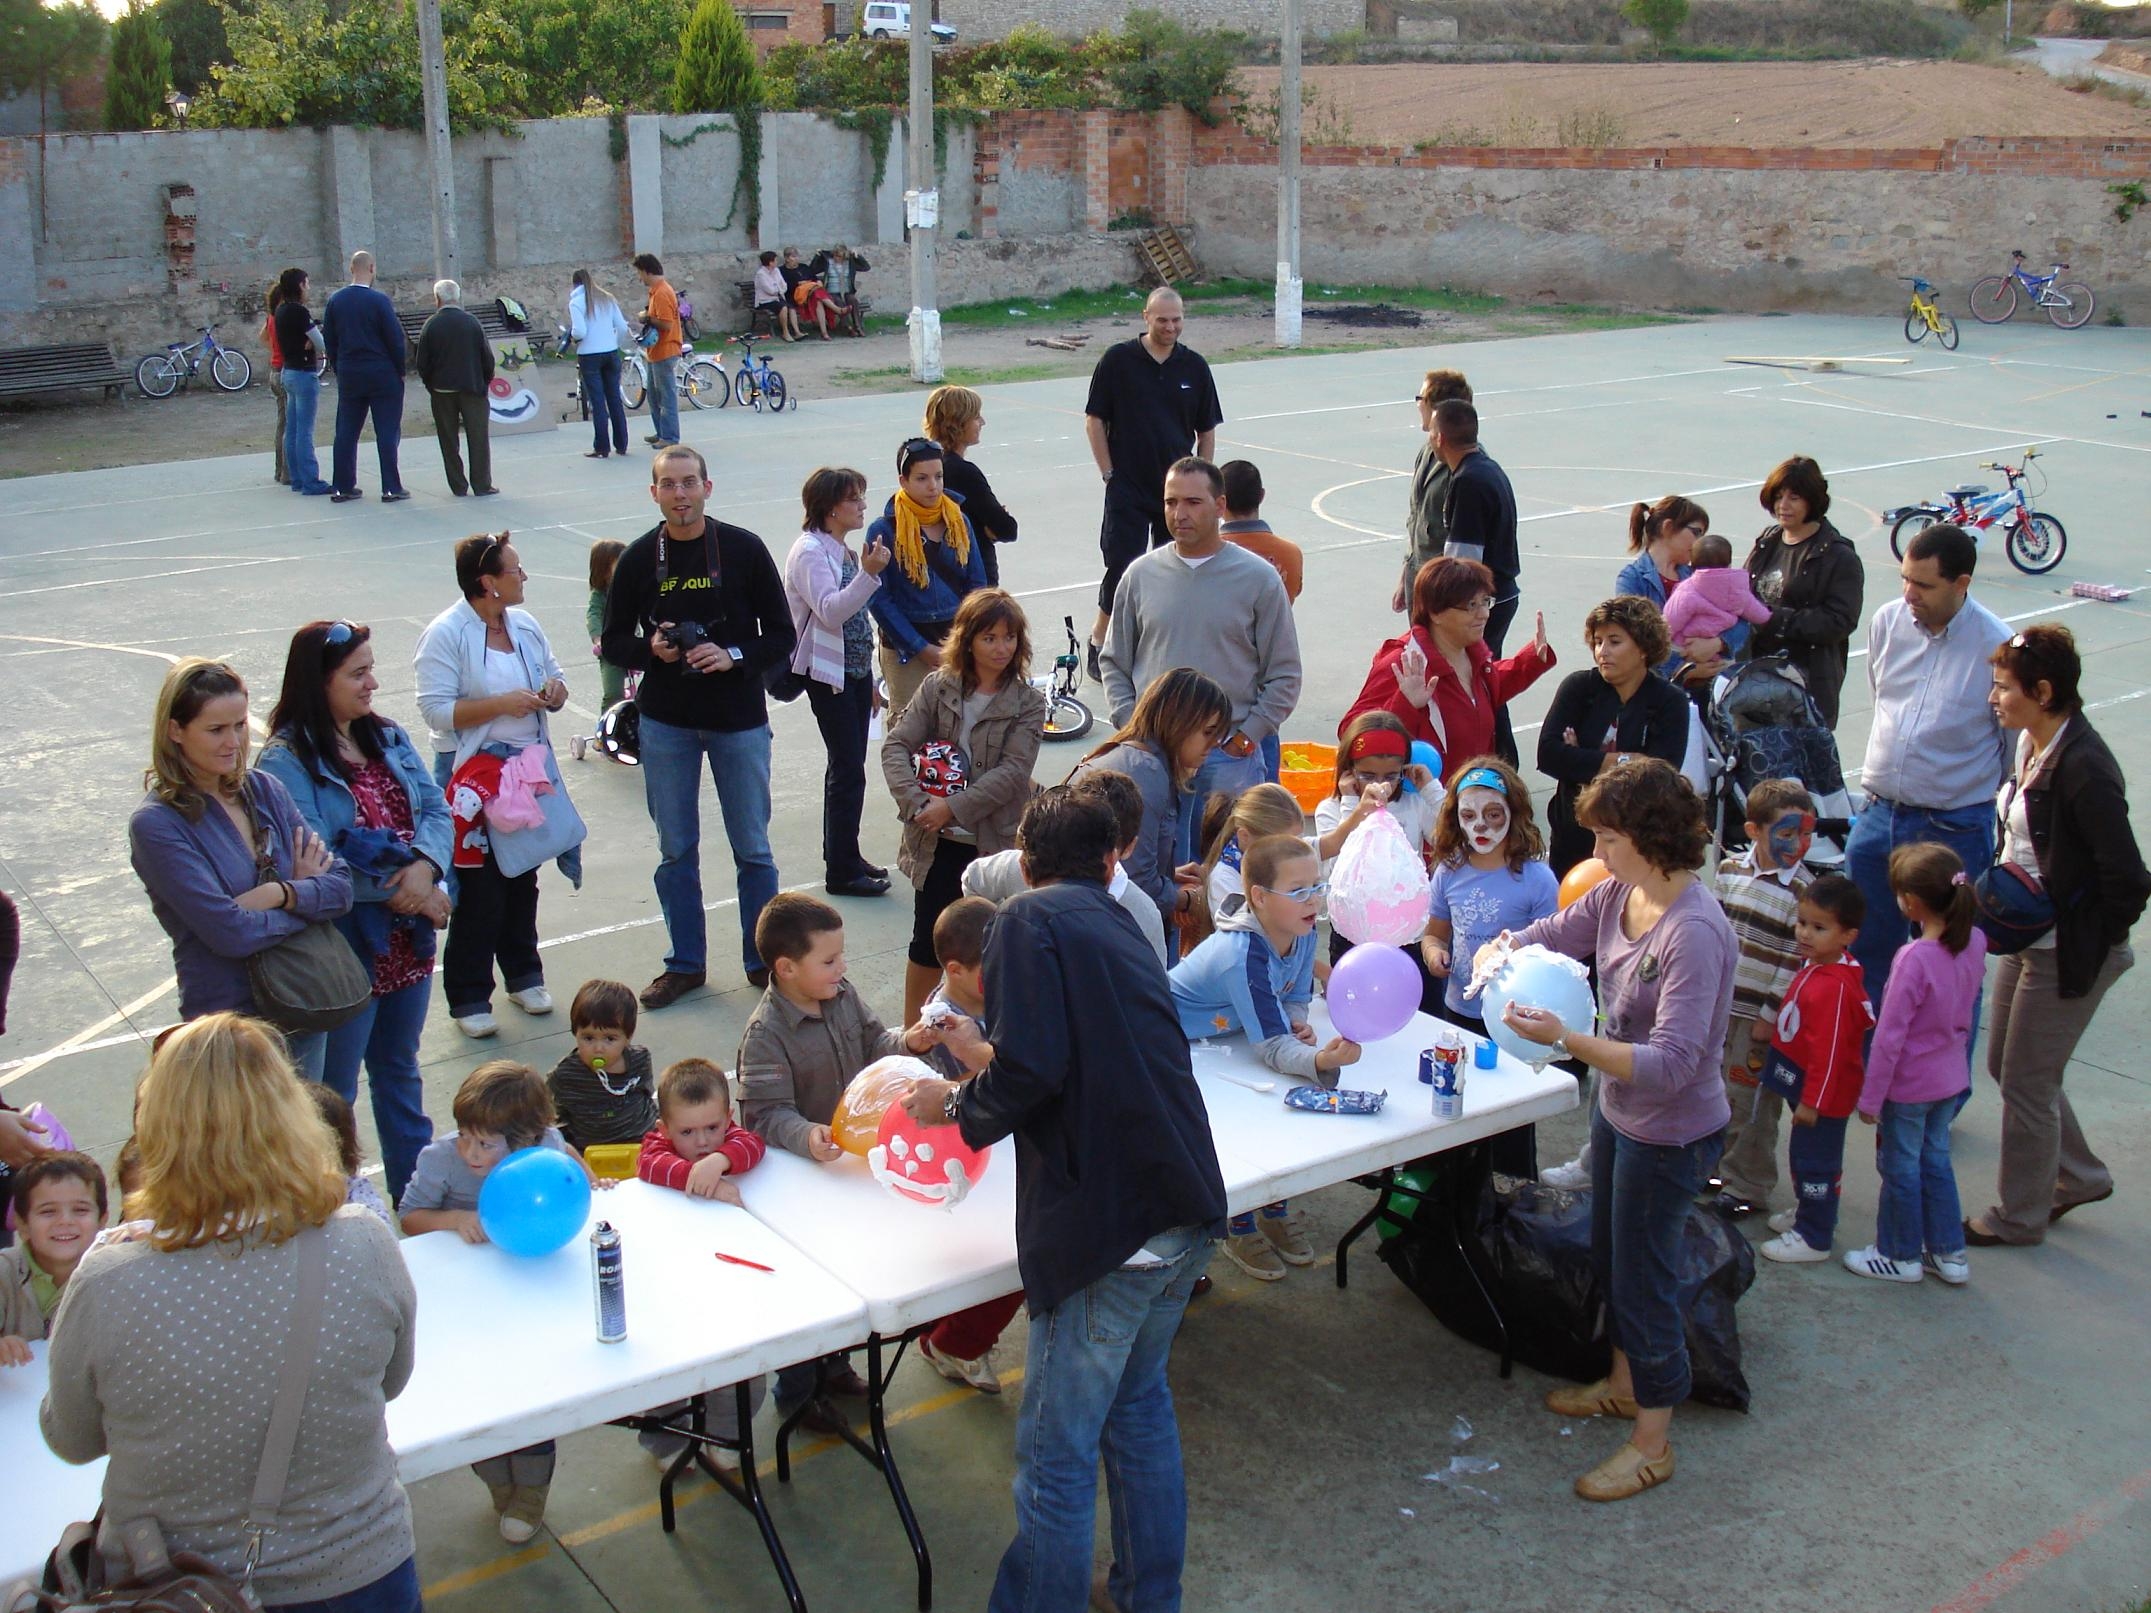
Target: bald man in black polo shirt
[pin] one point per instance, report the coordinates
(1152, 402)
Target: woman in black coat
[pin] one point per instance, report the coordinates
(955, 418)
(2064, 815)
(1810, 576)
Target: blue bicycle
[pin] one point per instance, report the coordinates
(2067, 303)
(160, 374)
(758, 385)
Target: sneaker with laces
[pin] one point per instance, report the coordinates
(1791, 1249)
(1287, 1234)
(978, 1372)
(1253, 1254)
(525, 1511)
(532, 1000)
(1574, 1176)
(1872, 1262)
(1954, 1269)
(478, 1025)
(1783, 1220)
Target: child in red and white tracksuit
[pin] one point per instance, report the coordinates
(1821, 1032)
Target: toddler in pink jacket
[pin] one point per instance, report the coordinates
(1714, 598)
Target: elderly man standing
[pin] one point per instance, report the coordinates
(1935, 754)
(1152, 401)
(364, 342)
(1221, 609)
(455, 365)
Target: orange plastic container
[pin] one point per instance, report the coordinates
(1308, 768)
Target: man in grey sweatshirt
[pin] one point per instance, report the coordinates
(1213, 606)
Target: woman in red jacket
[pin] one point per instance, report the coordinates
(1440, 677)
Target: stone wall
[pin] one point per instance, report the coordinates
(995, 19)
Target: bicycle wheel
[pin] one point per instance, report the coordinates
(1994, 299)
(231, 370)
(744, 389)
(1909, 527)
(2037, 545)
(634, 381)
(2075, 307)
(705, 385)
(773, 392)
(1947, 335)
(1915, 327)
(157, 376)
(1067, 718)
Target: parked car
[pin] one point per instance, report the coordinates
(891, 19)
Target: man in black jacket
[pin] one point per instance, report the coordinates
(1479, 510)
(455, 365)
(1118, 1199)
(364, 341)
(698, 608)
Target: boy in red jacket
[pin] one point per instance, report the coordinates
(1822, 1028)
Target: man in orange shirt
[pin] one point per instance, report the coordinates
(662, 311)
(1244, 525)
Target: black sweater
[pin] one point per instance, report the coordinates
(1654, 722)
(2078, 813)
(1480, 512)
(1091, 1073)
(453, 353)
(742, 606)
(1813, 618)
(980, 508)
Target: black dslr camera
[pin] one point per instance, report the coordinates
(684, 636)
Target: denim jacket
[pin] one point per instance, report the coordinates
(450, 661)
(325, 801)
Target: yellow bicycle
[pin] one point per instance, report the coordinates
(1926, 316)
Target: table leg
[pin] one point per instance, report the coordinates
(1383, 1184)
(1462, 1173)
(885, 1458)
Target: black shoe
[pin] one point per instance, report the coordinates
(460, 492)
(872, 872)
(845, 1381)
(1976, 1239)
(396, 497)
(1090, 665)
(758, 978)
(345, 498)
(822, 1417)
(596, 455)
(863, 885)
(1732, 1206)
(1203, 1285)
(484, 492)
(669, 987)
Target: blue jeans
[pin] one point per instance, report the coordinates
(1641, 1197)
(1095, 1387)
(394, 1592)
(385, 1035)
(1815, 1153)
(363, 391)
(600, 374)
(672, 785)
(308, 1050)
(302, 402)
(1919, 1206)
(1273, 757)
(664, 398)
(1880, 829)
(1233, 774)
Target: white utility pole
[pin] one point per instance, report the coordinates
(1288, 181)
(922, 202)
(433, 73)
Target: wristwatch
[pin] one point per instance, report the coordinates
(949, 1104)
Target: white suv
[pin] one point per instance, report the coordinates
(891, 19)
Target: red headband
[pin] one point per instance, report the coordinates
(1378, 742)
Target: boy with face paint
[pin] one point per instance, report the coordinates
(1760, 891)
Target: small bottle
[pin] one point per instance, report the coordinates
(608, 1283)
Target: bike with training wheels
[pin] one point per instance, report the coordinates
(2068, 303)
(758, 384)
(159, 374)
(700, 382)
(1925, 317)
(2033, 540)
(1067, 717)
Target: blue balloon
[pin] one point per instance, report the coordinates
(534, 1201)
(1426, 756)
(1537, 981)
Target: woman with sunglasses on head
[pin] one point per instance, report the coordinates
(230, 866)
(487, 676)
(938, 561)
(368, 792)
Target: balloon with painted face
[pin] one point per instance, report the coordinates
(926, 1164)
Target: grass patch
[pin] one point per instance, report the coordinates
(1074, 364)
(888, 372)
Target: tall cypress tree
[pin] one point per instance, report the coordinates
(717, 71)
(141, 72)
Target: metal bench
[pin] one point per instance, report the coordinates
(62, 368)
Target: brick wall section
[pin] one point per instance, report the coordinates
(805, 22)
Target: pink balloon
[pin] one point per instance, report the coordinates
(926, 1164)
(1373, 992)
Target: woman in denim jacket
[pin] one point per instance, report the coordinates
(361, 785)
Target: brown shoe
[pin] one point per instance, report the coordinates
(1625, 1473)
(845, 1381)
(822, 1417)
(1589, 1400)
(669, 987)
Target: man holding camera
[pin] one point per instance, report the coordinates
(698, 608)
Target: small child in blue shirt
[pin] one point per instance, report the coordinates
(1490, 875)
(1255, 974)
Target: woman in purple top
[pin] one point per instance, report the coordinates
(1665, 958)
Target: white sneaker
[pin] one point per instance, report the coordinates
(1956, 1270)
(480, 1024)
(1792, 1249)
(1872, 1262)
(532, 1000)
(978, 1373)
(516, 1531)
(1783, 1220)
(1574, 1176)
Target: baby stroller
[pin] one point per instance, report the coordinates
(1761, 723)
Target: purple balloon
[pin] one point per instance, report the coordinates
(1373, 992)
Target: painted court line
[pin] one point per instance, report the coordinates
(2050, 1547)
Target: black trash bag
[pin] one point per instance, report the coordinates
(1531, 1246)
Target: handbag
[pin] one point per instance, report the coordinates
(76, 1578)
(310, 981)
(781, 683)
(517, 851)
(2011, 908)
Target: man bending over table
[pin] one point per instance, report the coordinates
(1118, 1199)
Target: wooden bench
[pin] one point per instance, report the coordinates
(854, 319)
(489, 320)
(62, 368)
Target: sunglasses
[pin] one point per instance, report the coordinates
(1299, 893)
(338, 635)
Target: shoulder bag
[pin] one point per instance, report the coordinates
(311, 981)
(2010, 903)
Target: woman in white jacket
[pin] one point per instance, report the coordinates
(487, 675)
(598, 328)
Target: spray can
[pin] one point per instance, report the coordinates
(608, 1283)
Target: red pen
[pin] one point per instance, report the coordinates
(734, 1260)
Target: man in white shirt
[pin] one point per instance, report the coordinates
(1935, 754)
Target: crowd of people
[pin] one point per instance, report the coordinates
(1166, 884)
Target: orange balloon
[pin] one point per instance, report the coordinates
(1581, 878)
(856, 1125)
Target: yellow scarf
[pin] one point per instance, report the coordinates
(911, 517)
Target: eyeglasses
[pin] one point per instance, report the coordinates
(1365, 777)
(1482, 606)
(1299, 893)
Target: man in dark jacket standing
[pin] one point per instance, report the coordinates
(364, 342)
(698, 608)
(455, 365)
(1118, 1199)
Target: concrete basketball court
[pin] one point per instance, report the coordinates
(1941, 1449)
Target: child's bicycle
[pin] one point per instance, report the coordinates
(758, 385)
(1067, 717)
(2035, 542)
(2068, 303)
(159, 374)
(1926, 317)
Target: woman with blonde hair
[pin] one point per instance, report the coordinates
(956, 419)
(938, 562)
(172, 1344)
(230, 865)
(597, 328)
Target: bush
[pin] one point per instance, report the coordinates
(716, 71)
(140, 73)
(1664, 18)
(1157, 62)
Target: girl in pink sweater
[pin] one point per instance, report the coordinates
(1919, 1072)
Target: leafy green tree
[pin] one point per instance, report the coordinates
(1156, 61)
(140, 73)
(41, 47)
(621, 52)
(195, 31)
(717, 70)
(1664, 18)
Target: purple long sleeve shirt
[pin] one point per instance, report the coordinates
(1668, 994)
(1923, 1036)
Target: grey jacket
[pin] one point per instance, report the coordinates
(1425, 529)
(1150, 865)
(1228, 618)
